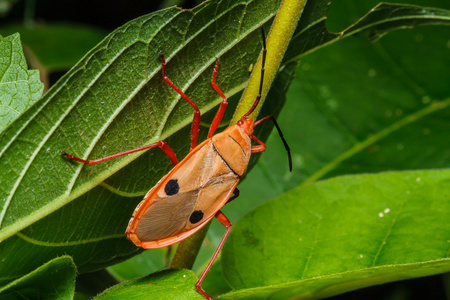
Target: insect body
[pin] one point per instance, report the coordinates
(191, 193)
(195, 190)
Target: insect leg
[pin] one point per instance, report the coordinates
(225, 222)
(196, 120)
(219, 115)
(286, 146)
(161, 144)
(260, 148)
(235, 195)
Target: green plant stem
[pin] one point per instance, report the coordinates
(278, 39)
(188, 249)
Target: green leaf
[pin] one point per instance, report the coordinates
(90, 229)
(20, 88)
(168, 284)
(364, 108)
(342, 234)
(53, 280)
(127, 62)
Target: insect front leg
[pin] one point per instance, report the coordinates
(260, 148)
(161, 144)
(196, 120)
(225, 222)
(223, 105)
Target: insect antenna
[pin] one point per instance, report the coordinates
(255, 104)
(286, 146)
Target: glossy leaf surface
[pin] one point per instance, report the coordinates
(168, 284)
(341, 234)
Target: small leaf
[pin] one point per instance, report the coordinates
(20, 88)
(53, 280)
(342, 234)
(168, 284)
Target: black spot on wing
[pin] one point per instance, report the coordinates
(172, 187)
(196, 217)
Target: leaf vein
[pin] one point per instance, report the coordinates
(66, 244)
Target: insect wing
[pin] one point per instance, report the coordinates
(189, 196)
(166, 216)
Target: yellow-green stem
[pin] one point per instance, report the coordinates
(187, 250)
(278, 39)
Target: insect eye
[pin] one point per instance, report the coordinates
(240, 122)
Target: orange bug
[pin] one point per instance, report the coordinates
(195, 190)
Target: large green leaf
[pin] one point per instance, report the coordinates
(19, 87)
(168, 284)
(364, 107)
(79, 115)
(53, 280)
(341, 234)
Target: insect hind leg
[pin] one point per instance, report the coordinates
(223, 105)
(236, 193)
(225, 222)
(161, 144)
(196, 120)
